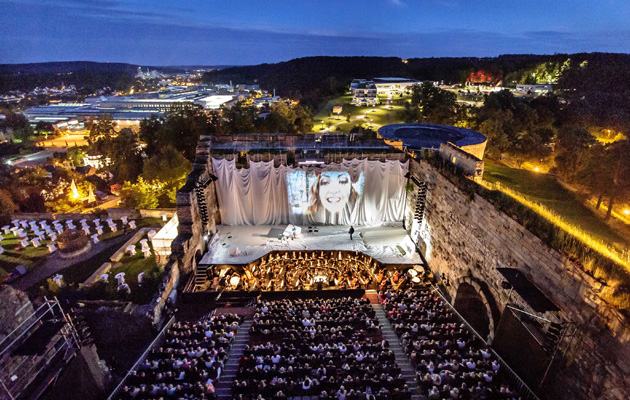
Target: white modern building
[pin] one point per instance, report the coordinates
(394, 86)
(364, 93)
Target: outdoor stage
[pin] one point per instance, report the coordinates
(248, 243)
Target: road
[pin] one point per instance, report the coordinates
(58, 144)
(69, 140)
(38, 158)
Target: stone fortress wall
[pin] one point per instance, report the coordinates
(466, 238)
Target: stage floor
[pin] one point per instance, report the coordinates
(253, 242)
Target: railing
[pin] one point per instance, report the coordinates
(29, 368)
(142, 357)
(522, 387)
(190, 284)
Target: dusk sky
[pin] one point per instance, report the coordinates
(169, 32)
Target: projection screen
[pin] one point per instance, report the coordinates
(355, 192)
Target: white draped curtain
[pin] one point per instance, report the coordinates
(258, 195)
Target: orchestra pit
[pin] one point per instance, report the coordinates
(310, 286)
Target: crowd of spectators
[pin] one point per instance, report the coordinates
(326, 349)
(188, 364)
(450, 362)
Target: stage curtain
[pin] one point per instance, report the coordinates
(258, 195)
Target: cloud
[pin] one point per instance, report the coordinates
(398, 3)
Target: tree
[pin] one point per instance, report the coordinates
(619, 172)
(124, 153)
(169, 169)
(572, 148)
(149, 133)
(139, 195)
(44, 126)
(24, 135)
(7, 206)
(498, 130)
(76, 154)
(532, 146)
(596, 172)
(435, 105)
(238, 119)
(183, 127)
(101, 132)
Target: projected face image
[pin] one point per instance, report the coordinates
(323, 194)
(334, 190)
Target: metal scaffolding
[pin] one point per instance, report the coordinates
(22, 369)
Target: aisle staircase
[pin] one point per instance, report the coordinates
(407, 369)
(201, 275)
(223, 390)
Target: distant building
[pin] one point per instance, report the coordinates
(394, 86)
(364, 94)
(538, 88)
(248, 88)
(266, 101)
(215, 102)
(96, 161)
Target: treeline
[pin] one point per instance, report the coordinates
(85, 81)
(152, 164)
(534, 129)
(312, 79)
(83, 74)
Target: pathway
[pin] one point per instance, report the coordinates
(223, 389)
(406, 367)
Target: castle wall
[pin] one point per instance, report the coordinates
(467, 238)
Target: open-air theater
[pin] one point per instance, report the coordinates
(311, 286)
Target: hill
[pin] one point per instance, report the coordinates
(314, 78)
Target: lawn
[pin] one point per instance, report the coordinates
(132, 267)
(31, 257)
(380, 115)
(15, 255)
(544, 189)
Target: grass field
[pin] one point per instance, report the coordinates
(31, 257)
(14, 255)
(76, 274)
(544, 189)
(377, 116)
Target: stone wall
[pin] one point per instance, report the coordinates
(466, 238)
(170, 282)
(476, 150)
(15, 308)
(190, 242)
(468, 163)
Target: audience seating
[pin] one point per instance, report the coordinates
(188, 364)
(319, 349)
(451, 362)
